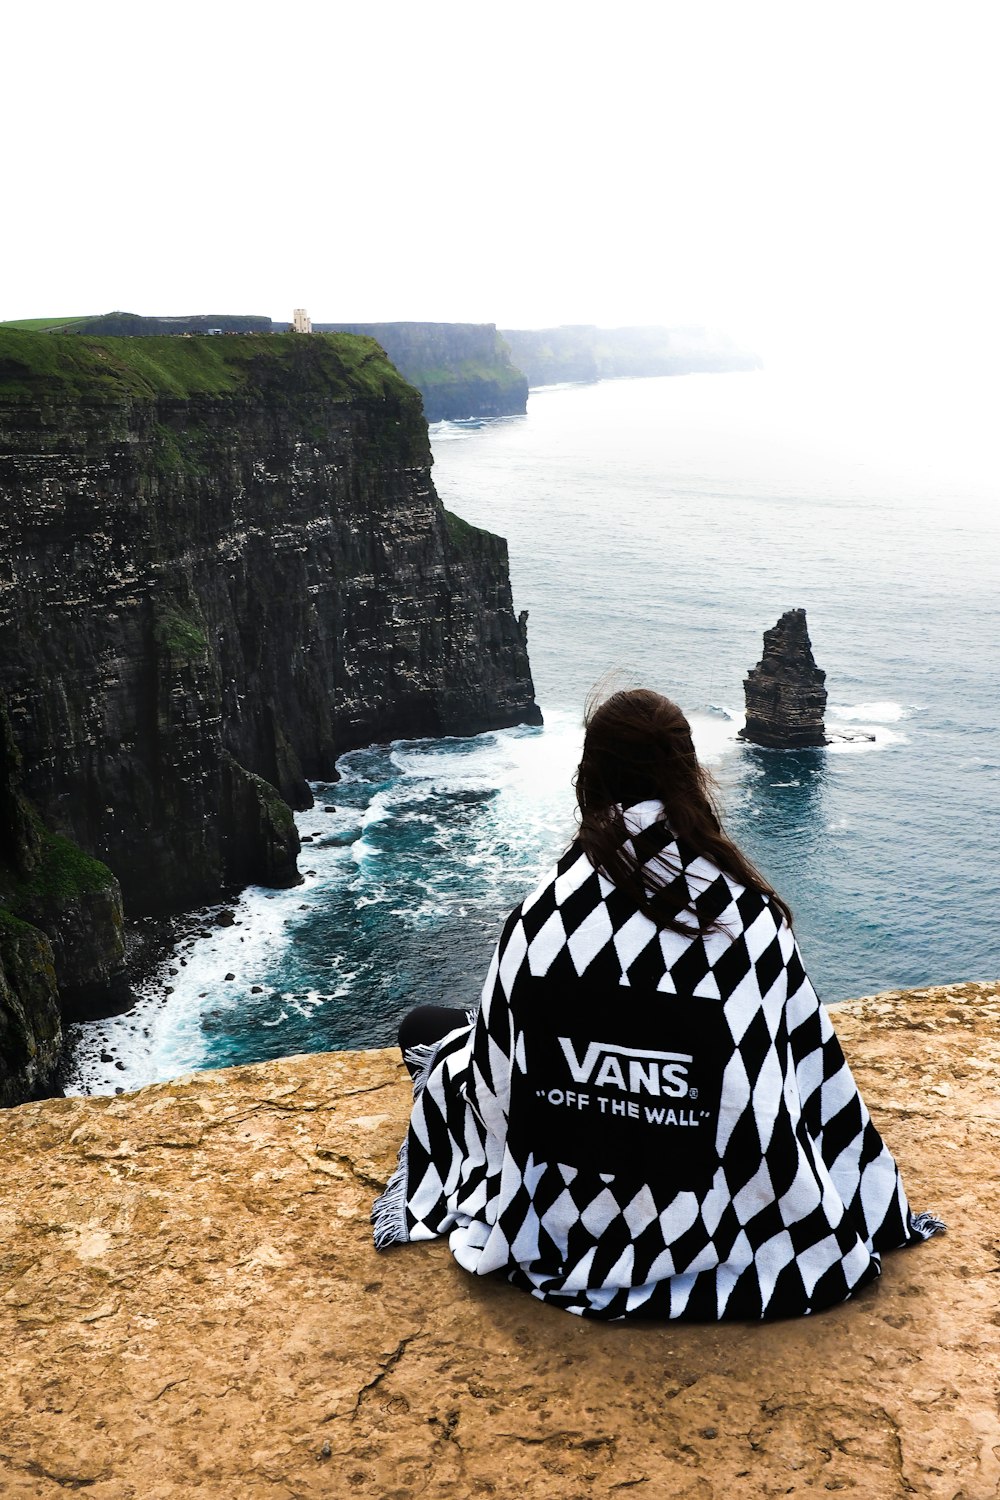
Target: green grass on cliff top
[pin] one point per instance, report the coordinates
(43, 325)
(332, 365)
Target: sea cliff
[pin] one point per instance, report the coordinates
(584, 352)
(470, 370)
(192, 1306)
(460, 369)
(222, 564)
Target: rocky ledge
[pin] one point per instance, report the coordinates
(191, 1305)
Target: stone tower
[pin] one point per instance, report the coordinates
(785, 692)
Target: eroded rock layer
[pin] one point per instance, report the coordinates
(785, 692)
(222, 564)
(191, 1305)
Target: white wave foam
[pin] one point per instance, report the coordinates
(377, 811)
(427, 912)
(304, 1002)
(880, 712)
(713, 735)
(162, 1035)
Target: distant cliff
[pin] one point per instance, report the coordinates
(585, 352)
(222, 564)
(460, 369)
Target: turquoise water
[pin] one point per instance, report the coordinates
(656, 528)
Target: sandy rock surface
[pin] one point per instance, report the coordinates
(190, 1304)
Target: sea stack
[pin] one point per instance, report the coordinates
(785, 692)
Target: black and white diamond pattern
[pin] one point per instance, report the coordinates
(799, 1195)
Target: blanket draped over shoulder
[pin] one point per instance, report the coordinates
(640, 1122)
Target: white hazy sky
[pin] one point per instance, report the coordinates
(814, 177)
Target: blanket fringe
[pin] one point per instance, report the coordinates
(926, 1224)
(389, 1209)
(421, 1058)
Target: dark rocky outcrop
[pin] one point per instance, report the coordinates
(785, 692)
(222, 564)
(584, 352)
(460, 369)
(31, 1038)
(62, 950)
(262, 842)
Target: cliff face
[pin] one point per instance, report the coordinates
(785, 692)
(31, 1037)
(585, 352)
(460, 369)
(62, 950)
(192, 1305)
(222, 564)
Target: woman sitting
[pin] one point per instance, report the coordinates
(650, 1116)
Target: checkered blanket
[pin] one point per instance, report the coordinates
(640, 1122)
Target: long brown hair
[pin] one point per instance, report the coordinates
(637, 748)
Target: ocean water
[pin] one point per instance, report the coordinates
(656, 528)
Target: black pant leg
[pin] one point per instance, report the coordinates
(427, 1024)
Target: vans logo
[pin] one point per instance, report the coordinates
(642, 1106)
(633, 1070)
